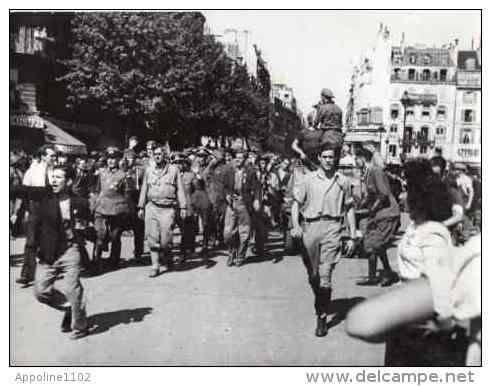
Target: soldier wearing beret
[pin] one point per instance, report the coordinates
(111, 209)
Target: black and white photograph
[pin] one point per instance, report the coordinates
(232, 188)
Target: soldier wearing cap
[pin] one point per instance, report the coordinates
(134, 180)
(111, 209)
(323, 198)
(217, 175)
(161, 194)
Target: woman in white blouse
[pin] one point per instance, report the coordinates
(437, 284)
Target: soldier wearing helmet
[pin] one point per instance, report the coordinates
(329, 116)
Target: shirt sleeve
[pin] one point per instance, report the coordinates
(381, 182)
(143, 192)
(181, 196)
(300, 191)
(347, 189)
(437, 265)
(27, 179)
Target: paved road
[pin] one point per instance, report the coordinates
(205, 314)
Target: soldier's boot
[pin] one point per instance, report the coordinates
(232, 255)
(96, 265)
(321, 329)
(372, 273)
(325, 295)
(388, 276)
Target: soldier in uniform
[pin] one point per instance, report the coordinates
(134, 180)
(243, 197)
(329, 119)
(161, 194)
(217, 175)
(259, 217)
(111, 209)
(323, 199)
(189, 224)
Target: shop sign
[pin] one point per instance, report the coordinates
(468, 153)
(32, 121)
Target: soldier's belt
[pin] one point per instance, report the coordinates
(163, 205)
(323, 217)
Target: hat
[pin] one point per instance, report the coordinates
(175, 158)
(113, 152)
(129, 153)
(151, 144)
(94, 154)
(327, 93)
(202, 153)
(459, 166)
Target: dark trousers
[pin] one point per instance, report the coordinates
(258, 221)
(217, 226)
(138, 228)
(58, 285)
(112, 226)
(32, 242)
(189, 229)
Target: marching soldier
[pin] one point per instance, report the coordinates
(243, 197)
(258, 217)
(189, 225)
(161, 194)
(323, 198)
(134, 180)
(217, 175)
(111, 209)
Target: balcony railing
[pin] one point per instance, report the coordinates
(418, 78)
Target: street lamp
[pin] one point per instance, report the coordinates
(405, 101)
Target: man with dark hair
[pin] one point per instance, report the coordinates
(60, 227)
(457, 220)
(383, 219)
(243, 197)
(134, 180)
(39, 174)
(323, 198)
(217, 175)
(82, 179)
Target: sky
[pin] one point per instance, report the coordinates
(310, 50)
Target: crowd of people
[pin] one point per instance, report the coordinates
(328, 202)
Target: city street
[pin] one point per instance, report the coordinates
(203, 314)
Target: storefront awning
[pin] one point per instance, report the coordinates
(62, 140)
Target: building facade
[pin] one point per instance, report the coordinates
(467, 134)
(366, 112)
(422, 102)
(411, 100)
(37, 43)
